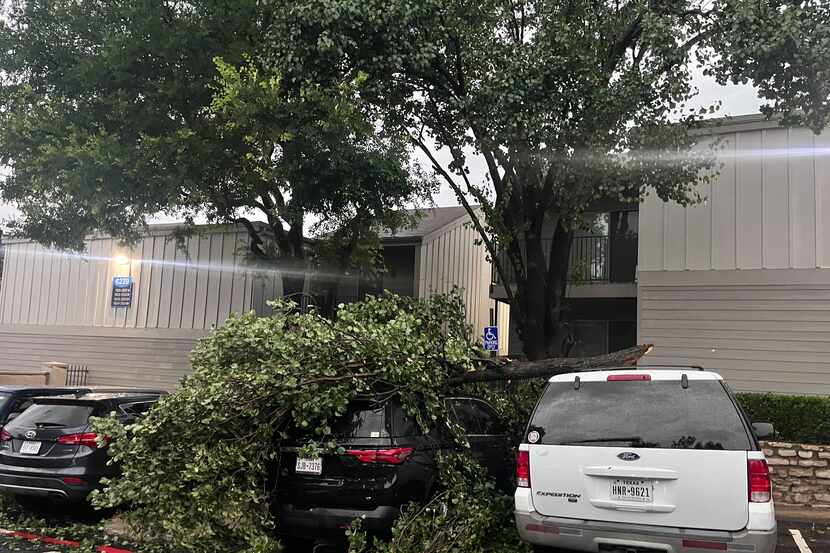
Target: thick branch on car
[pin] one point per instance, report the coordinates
(545, 368)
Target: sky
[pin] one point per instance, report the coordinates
(736, 99)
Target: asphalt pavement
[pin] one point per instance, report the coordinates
(814, 538)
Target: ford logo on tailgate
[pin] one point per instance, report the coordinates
(628, 456)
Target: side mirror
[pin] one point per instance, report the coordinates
(763, 430)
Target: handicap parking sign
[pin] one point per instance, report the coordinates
(491, 338)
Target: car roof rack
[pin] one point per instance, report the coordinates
(678, 367)
(635, 367)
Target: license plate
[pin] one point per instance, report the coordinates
(309, 466)
(627, 489)
(30, 448)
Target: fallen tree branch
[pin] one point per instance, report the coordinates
(545, 368)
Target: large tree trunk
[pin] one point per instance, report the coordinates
(541, 294)
(545, 368)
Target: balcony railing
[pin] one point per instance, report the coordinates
(589, 260)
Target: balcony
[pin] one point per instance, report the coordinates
(589, 260)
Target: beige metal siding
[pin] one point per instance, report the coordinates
(763, 330)
(766, 208)
(115, 357)
(174, 288)
(56, 306)
(741, 282)
(450, 257)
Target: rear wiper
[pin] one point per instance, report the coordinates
(634, 439)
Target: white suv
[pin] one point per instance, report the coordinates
(643, 460)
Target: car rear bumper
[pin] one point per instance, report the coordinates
(313, 522)
(46, 483)
(596, 536)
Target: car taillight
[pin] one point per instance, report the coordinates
(760, 488)
(5, 436)
(74, 481)
(523, 469)
(89, 439)
(395, 456)
(628, 377)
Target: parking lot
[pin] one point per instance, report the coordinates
(816, 539)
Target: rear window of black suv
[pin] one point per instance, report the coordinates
(363, 419)
(648, 414)
(53, 415)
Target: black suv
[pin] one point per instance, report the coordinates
(388, 463)
(50, 450)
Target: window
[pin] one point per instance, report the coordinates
(465, 416)
(596, 224)
(489, 420)
(136, 410)
(656, 414)
(4, 400)
(589, 250)
(363, 419)
(624, 232)
(18, 406)
(53, 415)
(403, 424)
(476, 417)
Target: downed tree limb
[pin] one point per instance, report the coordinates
(545, 368)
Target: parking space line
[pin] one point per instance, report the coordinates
(799, 541)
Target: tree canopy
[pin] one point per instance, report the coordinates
(117, 111)
(197, 469)
(568, 102)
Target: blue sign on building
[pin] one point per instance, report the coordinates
(491, 338)
(122, 291)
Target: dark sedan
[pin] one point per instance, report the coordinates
(51, 451)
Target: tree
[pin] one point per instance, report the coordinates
(116, 111)
(566, 102)
(196, 469)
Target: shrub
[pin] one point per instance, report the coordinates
(804, 419)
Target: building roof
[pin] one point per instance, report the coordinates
(738, 123)
(431, 220)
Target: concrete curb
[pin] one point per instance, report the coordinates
(56, 541)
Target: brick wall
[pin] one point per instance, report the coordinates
(800, 474)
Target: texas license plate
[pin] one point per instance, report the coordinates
(309, 466)
(627, 489)
(30, 448)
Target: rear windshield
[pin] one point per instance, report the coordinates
(655, 414)
(53, 416)
(362, 420)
